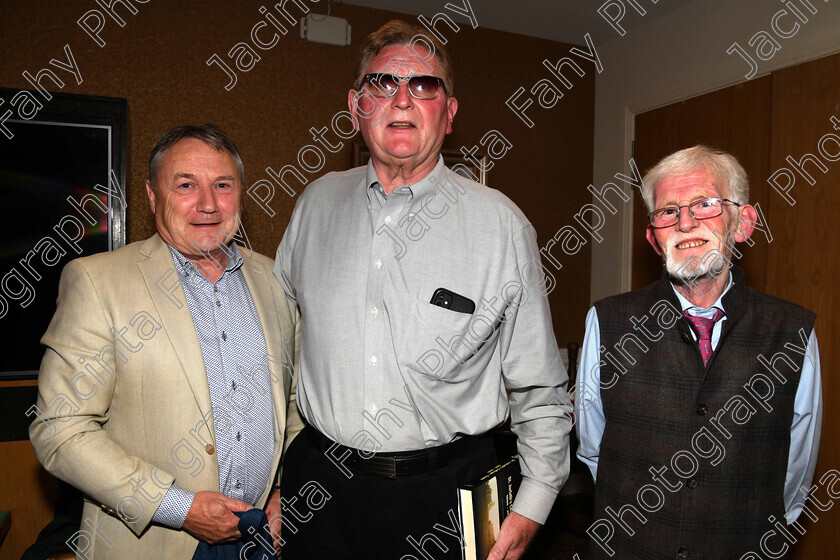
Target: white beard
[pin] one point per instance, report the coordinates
(694, 270)
(697, 271)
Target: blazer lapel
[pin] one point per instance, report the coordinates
(263, 297)
(166, 293)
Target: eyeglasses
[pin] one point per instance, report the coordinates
(699, 210)
(387, 85)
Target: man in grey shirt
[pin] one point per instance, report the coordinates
(423, 307)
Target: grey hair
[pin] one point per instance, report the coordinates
(398, 32)
(210, 134)
(730, 177)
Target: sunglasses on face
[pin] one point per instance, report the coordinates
(381, 84)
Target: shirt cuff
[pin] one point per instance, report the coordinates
(534, 500)
(174, 507)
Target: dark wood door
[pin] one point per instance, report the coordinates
(803, 263)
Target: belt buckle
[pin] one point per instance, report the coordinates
(385, 467)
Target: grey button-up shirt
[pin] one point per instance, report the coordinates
(381, 368)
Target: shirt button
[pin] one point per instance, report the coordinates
(374, 311)
(224, 335)
(373, 360)
(215, 288)
(218, 303)
(238, 436)
(682, 552)
(692, 483)
(233, 385)
(238, 485)
(701, 409)
(387, 219)
(378, 263)
(372, 409)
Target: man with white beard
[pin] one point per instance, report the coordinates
(701, 433)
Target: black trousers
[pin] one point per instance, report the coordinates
(330, 513)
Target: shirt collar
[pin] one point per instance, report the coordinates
(186, 267)
(427, 184)
(703, 311)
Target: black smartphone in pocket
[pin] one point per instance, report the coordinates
(452, 301)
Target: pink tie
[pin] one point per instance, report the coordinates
(703, 329)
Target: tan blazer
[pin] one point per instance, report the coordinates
(124, 404)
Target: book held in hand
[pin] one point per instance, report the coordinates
(483, 505)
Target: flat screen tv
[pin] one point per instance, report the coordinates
(62, 181)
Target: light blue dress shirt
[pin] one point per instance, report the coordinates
(807, 409)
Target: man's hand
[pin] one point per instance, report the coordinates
(272, 512)
(516, 534)
(211, 518)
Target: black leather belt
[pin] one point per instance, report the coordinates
(392, 465)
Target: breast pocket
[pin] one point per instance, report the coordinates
(437, 342)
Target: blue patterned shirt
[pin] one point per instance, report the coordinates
(234, 350)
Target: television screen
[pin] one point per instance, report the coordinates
(60, 190)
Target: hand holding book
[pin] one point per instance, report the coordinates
(490, 529)
(516, 534)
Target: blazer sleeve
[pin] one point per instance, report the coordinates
(68, 434)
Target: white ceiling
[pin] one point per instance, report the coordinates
(559, 20)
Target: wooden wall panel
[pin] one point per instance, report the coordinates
(27, 490)
(31, 496)
(734, 119)
(804, 258)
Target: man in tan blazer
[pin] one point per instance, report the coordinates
(166, 393)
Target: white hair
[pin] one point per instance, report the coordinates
(730, 177)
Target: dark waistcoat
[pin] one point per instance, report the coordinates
(722, 432)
